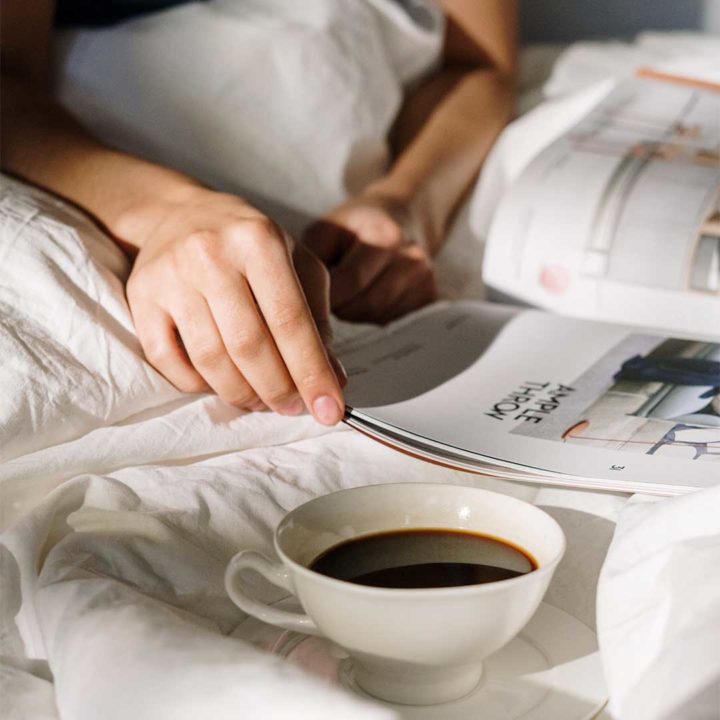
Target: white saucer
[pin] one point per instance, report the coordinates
(550, 671)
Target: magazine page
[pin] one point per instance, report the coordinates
(542, 393)
(619, 219)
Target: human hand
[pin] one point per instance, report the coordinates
(377, 271)
(223, 299)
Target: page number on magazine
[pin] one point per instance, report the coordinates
(617, 467)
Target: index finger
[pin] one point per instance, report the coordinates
(281, 300)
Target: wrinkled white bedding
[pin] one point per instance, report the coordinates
(116, 540)
(122, 501)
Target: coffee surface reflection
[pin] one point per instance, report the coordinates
(424, 558)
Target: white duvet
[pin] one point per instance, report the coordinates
(122, 502)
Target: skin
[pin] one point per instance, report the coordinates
(222, 298)
(379, 245)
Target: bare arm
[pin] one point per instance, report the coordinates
(42, 143)
(447, 126)
(220, 296)
(379, 245)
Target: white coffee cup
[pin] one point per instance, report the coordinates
(415, 646)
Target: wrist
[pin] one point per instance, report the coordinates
(409, 209)
(423, 211)
(393, 189)
(136, 220)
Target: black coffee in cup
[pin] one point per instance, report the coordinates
(424, 558)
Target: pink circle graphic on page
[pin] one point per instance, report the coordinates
(555, 279)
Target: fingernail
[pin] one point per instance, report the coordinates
(259, 406)
(294, 408)
(326, 410)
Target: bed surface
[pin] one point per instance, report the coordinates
(120, 514)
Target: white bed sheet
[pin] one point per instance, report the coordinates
(116, 540)
(119, 520)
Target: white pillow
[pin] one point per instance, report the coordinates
(286, 103)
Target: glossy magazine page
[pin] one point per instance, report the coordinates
(584, 403)
(619, 218)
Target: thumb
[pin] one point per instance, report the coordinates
(315, 282)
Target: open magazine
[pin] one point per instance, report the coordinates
(527, 395)
(619, 220)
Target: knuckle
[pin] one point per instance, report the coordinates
(242, 400)
(258, 230)
(207, 355)
(158, 353)
(191, 385)
(247, 346)
(280, 396)
(289, 318)
(145, 282)
(203, 246)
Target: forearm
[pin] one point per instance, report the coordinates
(442, 136)
(221, 297)
(43, 144)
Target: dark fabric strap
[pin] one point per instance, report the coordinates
(93, 13)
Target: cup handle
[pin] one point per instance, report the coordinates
(277, 575)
